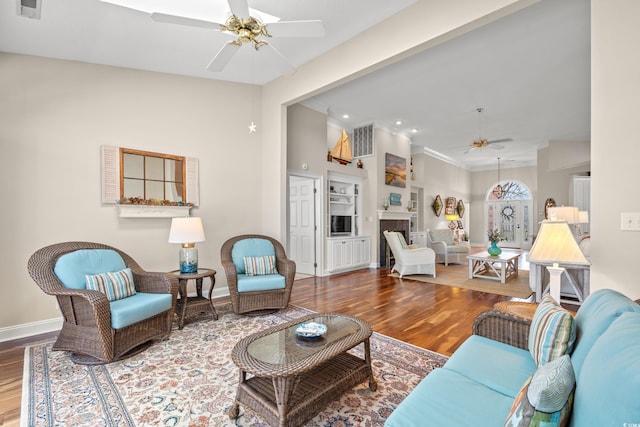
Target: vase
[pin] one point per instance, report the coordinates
(494, 250)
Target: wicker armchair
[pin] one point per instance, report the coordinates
(87, 330)
(259, 301)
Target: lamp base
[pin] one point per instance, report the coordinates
(188, 258)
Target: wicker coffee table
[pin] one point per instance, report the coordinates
(293, 378)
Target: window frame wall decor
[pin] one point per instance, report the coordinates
(112, 186)
(395, 170)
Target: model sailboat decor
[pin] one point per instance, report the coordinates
(342, 150)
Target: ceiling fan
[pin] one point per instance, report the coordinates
(246, 29)
(483, 142)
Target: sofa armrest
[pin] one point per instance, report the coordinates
(503, 327)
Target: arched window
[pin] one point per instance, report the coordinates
(509, 191)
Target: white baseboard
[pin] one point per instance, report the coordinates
(29, 329)
(44, 326)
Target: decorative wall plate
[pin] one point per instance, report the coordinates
(437, 205)
(460, 208)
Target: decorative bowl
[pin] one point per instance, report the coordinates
(311, 330)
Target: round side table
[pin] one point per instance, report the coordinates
(197, 304)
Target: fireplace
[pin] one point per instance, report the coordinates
(399, 225)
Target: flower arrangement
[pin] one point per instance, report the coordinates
(150, 202)
(495, 236)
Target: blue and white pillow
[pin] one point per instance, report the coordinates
(260, 265)
(552, 332)
(115, 285)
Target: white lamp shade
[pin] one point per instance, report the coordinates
(186, 230)
(564, 213)
(555, 243)
(583, 217)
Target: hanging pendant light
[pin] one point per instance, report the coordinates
(498, 190)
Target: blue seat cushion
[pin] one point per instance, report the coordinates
(500, 367)
(72, 268)
(252, 247)
(592, 320)
(133, 309)
(608, 386)
(260, 283)
(446, 398)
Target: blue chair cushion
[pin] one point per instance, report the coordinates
(251, 247)
(260, 283)
(133, 309)
(72, 268)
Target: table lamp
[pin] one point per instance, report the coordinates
(555, 243)
(187, 231)
(452, 218)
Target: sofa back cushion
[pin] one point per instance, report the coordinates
(608, 385)
(72, 268)
(442, 235)
(251, 247)
(595, 315)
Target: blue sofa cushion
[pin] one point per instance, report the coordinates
(546, 398)
(72, 268)
(446, 398)
(114, 284)
(247, 248)
(260, 283)
(477, 359)
(595, 315)
(127, 311)
(552, 332)
(608, 385)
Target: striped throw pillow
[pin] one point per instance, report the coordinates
(260, 265)
(552, 332)
(115, 285)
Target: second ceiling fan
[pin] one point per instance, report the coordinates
(483, 142)
(246, 29)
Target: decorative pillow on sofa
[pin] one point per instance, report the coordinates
(552, 332)
(546, 398)
(115, 285)
(260, 265)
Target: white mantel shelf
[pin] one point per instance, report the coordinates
(151, 211)
(397, 215)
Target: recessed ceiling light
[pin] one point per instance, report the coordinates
(398, 122)
(345, 116)
(414, 130)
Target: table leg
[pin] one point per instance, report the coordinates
(183, 302)
(373, 386)
(283, 387)
(471, 262)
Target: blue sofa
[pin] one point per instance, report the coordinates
(478, 384)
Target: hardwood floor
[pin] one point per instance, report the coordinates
(435, 317)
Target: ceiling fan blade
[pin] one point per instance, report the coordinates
(223, 56)
(182, 20)
(313, 28)
(496, 146)
(493, 141)
(470, 149)
(239, 8)
(282, 63)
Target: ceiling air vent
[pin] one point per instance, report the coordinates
(29, 8)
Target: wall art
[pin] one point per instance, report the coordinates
(395, 170)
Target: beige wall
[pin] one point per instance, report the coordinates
(615, 67)
(55, 115)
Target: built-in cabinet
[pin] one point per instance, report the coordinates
(348, 253)
(347, 249)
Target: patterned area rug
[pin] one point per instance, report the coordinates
(190, 380)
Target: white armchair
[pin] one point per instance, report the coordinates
(447, 251)
(410, 259)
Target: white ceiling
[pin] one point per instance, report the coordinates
(529, 71)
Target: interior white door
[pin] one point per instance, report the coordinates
(302, 224)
